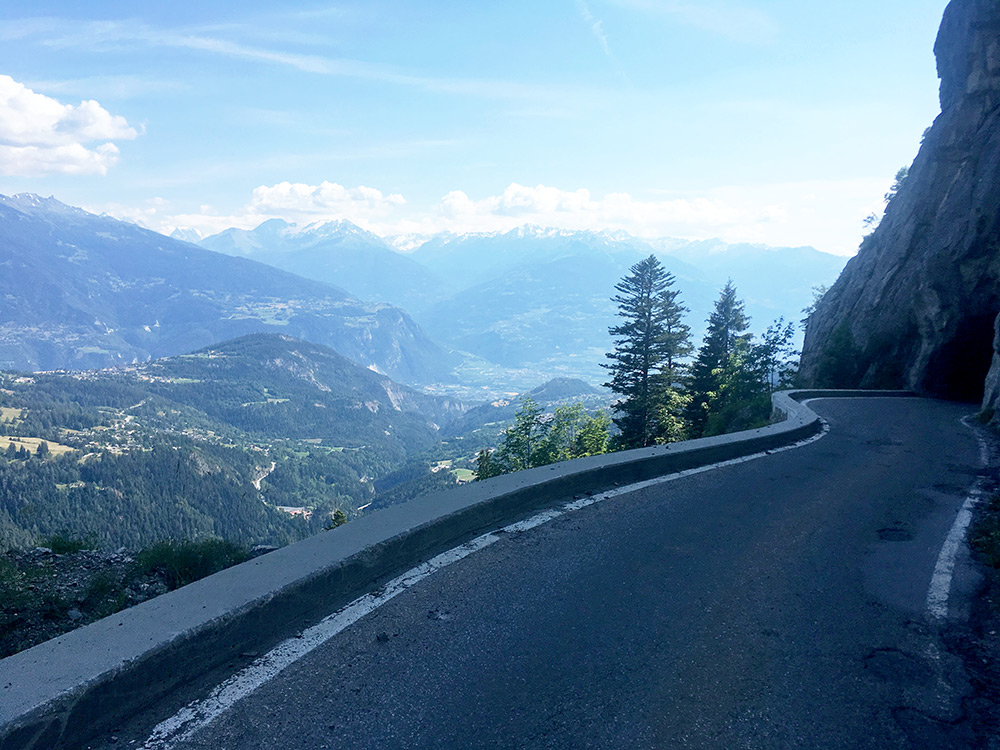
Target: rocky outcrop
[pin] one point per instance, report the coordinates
(916, 307)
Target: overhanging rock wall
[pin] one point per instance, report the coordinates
(916, 307)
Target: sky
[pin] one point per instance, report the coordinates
(771, 121)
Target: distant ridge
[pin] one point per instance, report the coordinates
(558, 389)
(298, 390)
(83, 291)
(533, 302)
(338, 253)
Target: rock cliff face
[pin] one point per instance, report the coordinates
(916, 308)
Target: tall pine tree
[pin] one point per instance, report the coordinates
(649, 345)
(726, 335)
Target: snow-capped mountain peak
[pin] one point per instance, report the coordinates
(333, 228)
(30, 203)
(187, 234)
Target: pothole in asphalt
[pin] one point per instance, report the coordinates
(898, 666)
(949, 489)
(895, 534)
(926, 731)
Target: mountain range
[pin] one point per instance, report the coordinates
(532, 303)
(336, 252)
(205, 389)
(503, 310)
(81, 291)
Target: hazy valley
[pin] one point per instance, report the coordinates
(517, 308)
(241, 387)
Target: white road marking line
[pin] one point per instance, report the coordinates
(200, 713)
(944, 570)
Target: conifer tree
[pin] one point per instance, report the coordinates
(521, 442)
(676, 335)
(726, 334)
(592, 438)
(649, 344)
(485, 466)
(838, 364)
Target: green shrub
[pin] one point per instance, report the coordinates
(183, 562)
(105, 595)
(984, 537)
(62, 544)
(9, 574)
(339, 518)
(53, 606)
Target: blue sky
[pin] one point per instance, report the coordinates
(775, 121)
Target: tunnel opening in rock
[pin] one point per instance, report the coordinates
(957, 370)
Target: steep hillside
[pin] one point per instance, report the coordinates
(275, 385)
(259, 439)
(82, 291)
(916, 307)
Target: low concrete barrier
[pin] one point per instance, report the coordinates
(64, 692)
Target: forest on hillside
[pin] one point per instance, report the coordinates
(264, 439)
(188, 448)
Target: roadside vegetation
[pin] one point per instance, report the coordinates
(539, 439)
(667, 391)
(984, 536)
(65, 583)
(214, 452)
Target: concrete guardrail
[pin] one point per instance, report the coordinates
(64, 692)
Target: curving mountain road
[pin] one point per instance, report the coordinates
(776, 603)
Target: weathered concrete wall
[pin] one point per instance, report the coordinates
(66, 691)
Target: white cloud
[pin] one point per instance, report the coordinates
(578, 209)
(825, 214)
(40, 135)
(75, 159)
(597, 28)
(326, 199)
(296, 203)
(147, 215)
(103, 35)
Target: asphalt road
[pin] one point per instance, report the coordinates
(778, 603)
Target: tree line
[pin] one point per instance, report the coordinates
(539, 439)
(667, 391)
(666, 395)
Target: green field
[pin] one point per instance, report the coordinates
(31, 443)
